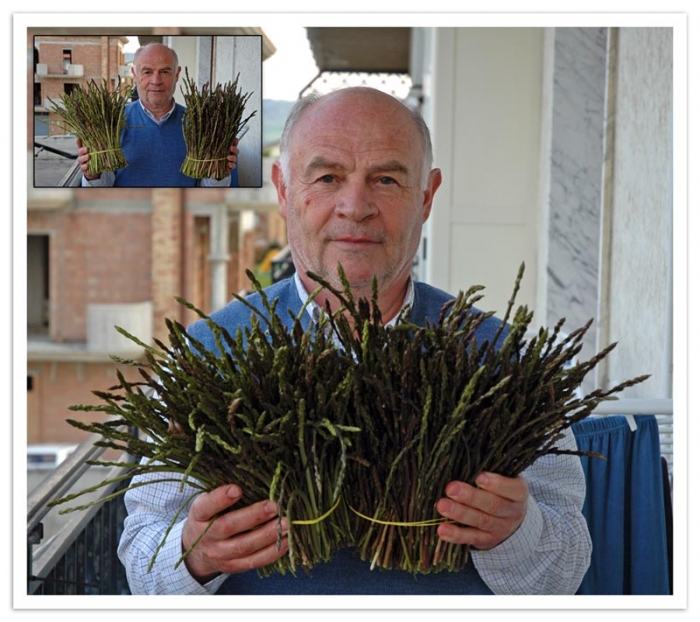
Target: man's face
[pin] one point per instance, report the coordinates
(354, 195)
(156, 76)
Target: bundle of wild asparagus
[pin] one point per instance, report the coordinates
(95, 114)
(435, 406)
(267, 414)
(353, 427)
(213, 119)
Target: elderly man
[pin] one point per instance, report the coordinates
(152, 141)
(355, 185)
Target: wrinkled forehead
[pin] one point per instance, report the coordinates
(357, 129)
(160, 58)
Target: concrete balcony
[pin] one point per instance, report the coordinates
(102, 320)
(71, 71)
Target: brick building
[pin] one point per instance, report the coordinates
(63, 62)
(100, 258)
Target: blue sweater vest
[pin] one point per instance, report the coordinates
(345, 573)
(427, 304)
(154, 152)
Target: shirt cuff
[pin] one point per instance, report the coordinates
(180, 579)
(105, 180)
(516, 549)
(210, 182)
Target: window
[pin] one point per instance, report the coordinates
(37, 283)
(67, 59)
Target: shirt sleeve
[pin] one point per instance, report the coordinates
(551, 550)
(209, 182)
(148, 532)
(105, 180)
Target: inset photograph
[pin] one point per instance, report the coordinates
(147, 111)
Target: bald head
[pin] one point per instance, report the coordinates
(355, 99)
(155, 46)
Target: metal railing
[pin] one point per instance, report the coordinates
(81, 558)
(73, 176)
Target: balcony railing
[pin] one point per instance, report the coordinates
(81, 558)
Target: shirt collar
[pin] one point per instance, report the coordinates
(314, 310)
(163, 119)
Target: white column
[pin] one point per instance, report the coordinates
(219, 257)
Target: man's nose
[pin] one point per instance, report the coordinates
(354, 200)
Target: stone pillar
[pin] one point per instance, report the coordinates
(576, 171)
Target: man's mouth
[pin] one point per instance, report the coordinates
(355, 244)
(351, 239)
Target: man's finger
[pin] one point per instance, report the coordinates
(261, 557)
(511, 488)
(206, 506)
(247, 543)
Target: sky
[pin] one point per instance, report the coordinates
(288, 70)
(291, 67)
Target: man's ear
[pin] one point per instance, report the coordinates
(434, 181)
(278, 181)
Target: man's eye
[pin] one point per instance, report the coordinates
(327, 179)
(387, 181)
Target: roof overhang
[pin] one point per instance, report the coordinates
(146, 35)
(362, 49)
(268, 49)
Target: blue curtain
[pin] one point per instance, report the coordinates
(625, 506)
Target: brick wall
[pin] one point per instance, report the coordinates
(55, 387)
(94, 257)
(110, 246)
(100, 57)
(86, 51)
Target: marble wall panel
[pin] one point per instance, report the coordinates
(576, 160)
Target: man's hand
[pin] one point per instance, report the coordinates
(486, 515)
(237, 541)
(83, 157)
(233, 156)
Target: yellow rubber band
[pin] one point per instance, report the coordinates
(424, 523)
(208, 160)
(314, 521)
(104, 151)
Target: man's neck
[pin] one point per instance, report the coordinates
(390, 302)
(160, 112)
